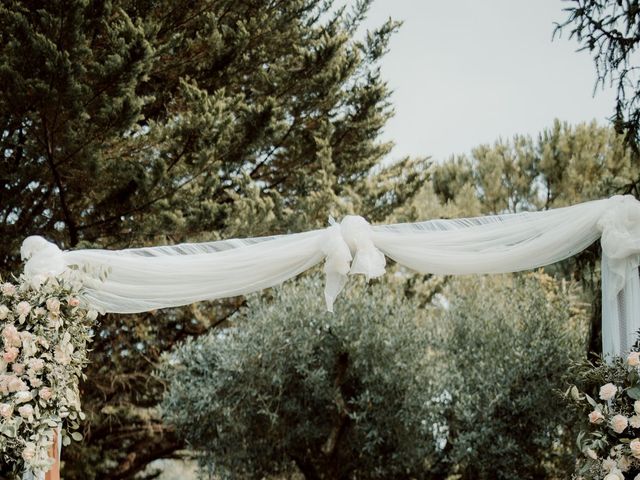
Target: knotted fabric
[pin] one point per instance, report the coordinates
(349, 249)
(620, 227)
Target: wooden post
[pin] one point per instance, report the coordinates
(54, 473)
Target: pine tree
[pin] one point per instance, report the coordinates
(136, 122)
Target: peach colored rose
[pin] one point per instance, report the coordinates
(10, 354)
(18, 368)
(45, 393)
(634, 446)
(73, 301)
(619, 423)
(634, 359)
(11, 336)
(608, 391)
(596, 417)
(6, 410)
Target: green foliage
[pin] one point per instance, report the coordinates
(130, 122)
(610, 31)
(383, 388)
(505, 351)
(339, 396)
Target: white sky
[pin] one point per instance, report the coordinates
(467, 72)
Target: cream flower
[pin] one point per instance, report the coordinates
(29, 452)
(8, 289)
(36, 364)
(11, 336)
(614, 474)
(596, 417)
(608, 391)
(609, 464)
(53, 305)
(634, 421)
(634, 359)
(18, 368)
(591, 454)
(23, 397)
(624, 463)
(4, 312)
(634, 446)
(619, 423)
(26, 411)
(14, 384)
(23, 309)
(45, 393)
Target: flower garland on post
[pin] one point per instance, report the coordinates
(44, 333)
(610, 441)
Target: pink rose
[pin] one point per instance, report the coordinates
(10, 354)
(596, 417)
(608, 391)
(11, 336)
(18, 368)
(634, 359)
(619, 423)
(45, 393)
(6, 410)
(73, 301)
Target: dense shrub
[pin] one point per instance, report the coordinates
(383, 389)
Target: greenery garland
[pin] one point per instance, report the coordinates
(44, 336)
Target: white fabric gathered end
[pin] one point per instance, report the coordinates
(143, 279)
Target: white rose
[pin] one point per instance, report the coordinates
(23, 397)
(619, 423)
(26, 411)
(634, 359)
(634, 446)
(634, 421)
(608, 391)
(615, 474)
(92, 315)
(4, 311)
(6, 410)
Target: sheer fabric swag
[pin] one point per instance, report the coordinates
(142, 279)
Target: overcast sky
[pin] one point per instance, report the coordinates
(467, 72)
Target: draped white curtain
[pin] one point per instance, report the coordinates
(143, 279)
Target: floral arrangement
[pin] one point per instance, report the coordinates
(609, 399)
(44, 333)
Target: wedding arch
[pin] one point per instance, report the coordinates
(142, 279)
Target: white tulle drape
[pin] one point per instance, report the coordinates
(136, 280)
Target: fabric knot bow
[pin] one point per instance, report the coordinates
(43, 257)
(620, 240)
(349, 250)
